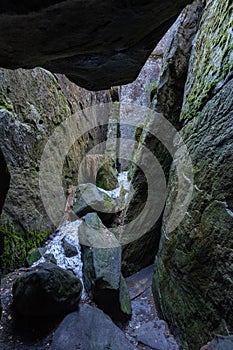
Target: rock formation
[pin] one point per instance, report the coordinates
(32, 104)
(96, 44)
(46, 290)
(167, 99)
(192, 282)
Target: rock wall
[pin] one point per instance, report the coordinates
(166, 94)
(32, 104)
(192, 281)
(4, 180)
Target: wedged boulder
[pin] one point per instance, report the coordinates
(220, 343)
(46, 290)
(89, 328)
(102, 267)
(92, 199)
(107, 176)
(69, 249)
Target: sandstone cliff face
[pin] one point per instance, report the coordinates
(97, 44)
(32, 104)
(192, 280)
(166, 91)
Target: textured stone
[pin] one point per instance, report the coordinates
(220, 343)
(101, 255)
(32, 104)
(99, 169)
(4, 179)
(192, 281)
(100, 44)
(167, 90)
(89, 328)
(34, 255)
(69, 249)
(93, 199)
(37, 103)
(46, 290)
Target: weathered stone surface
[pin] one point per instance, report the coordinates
(92, 199)
(4, 179)
(211, 60)
(89, 328)
(100, 44)
(220, 343)
(32, 104)
(167, 97)
(192, 281)
(5, 184)
(46, 290)
(99, 169)
(34, 255)
(171, 82)
(69, 249)
(101, 255)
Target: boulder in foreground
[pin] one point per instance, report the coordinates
(89, 328)
(46, 290)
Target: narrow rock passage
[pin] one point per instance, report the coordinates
(145, 329)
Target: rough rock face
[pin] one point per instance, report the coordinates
(89, 328)
(93, 199)
(167, 94)
(4, 180)
(32, 104)
(99, 170)
(101, 255)
(5, 184)
(46, 290)
(220, 343)
(96, 44)
(192, 280)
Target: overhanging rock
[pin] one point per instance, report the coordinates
(97, 44)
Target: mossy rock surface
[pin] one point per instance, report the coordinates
(192, 281)
(17, 245)
(34, 255)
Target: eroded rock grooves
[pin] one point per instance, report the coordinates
(97, 44)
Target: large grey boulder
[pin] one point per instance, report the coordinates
(101, 255)
(91, 198)
(89, 328)
(46, 290)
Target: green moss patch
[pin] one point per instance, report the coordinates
(17, 244)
